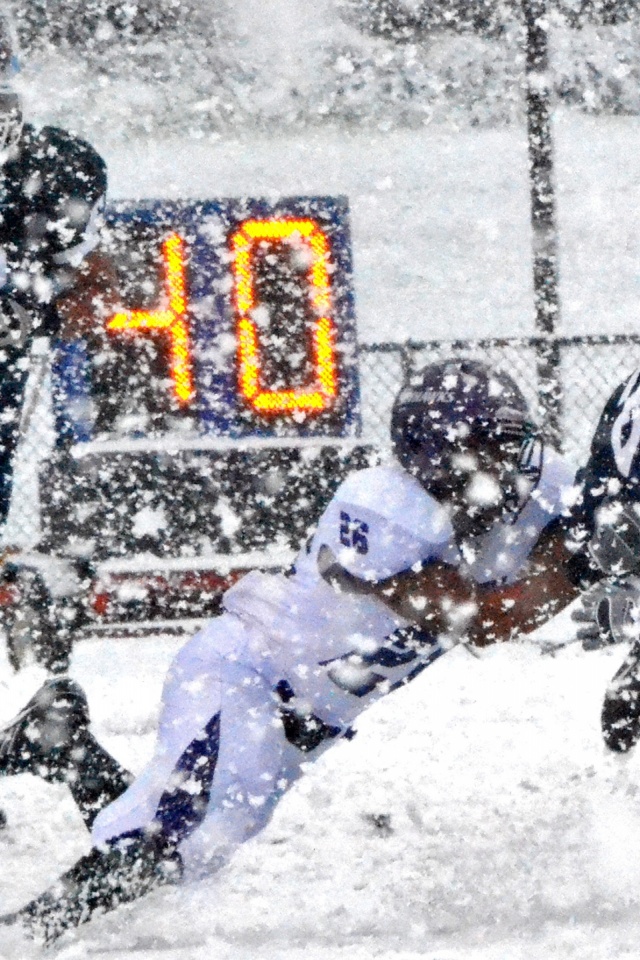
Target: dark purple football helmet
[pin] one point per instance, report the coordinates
(463, 430)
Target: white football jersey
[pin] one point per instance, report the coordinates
(338, 650)
(327, 653)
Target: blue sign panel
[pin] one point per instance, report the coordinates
(234, 318)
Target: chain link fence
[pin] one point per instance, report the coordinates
(588, 368)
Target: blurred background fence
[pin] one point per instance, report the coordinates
(585, 372)
(197, 67)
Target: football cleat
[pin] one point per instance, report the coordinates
(17, 940)
(105, 878)
(41, 739)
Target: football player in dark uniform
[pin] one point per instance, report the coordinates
(608, 524)
(52, 185)
(53, 279)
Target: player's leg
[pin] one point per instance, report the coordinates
(130, 861)
(621, 707)
(13, 377)
(51, 738)
(216, 771)
(191, 700)
(101, 880)
(255, 766)
(220, 741)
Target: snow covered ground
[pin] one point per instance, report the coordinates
(476, 815)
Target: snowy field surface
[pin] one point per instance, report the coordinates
(476, 816)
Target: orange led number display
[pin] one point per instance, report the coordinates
(318, 395)
(172, 319)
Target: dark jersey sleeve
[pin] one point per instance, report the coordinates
(612, 471)
(613, 467)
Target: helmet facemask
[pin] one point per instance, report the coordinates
(480, 479)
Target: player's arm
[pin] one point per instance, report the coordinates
(436, 597)
(80, 272)
(545, 588)
(90, 296)
(84, 274)
(441, 599)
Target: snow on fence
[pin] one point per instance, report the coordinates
(587, 370)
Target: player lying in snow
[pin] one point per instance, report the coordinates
(461, 539)
(609, 521)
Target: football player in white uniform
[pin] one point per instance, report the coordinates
(461, 539)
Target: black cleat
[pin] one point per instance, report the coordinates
(42, 737)
(102, 880)
(621, 708)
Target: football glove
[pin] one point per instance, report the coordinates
(609, 613)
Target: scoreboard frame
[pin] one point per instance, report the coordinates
(206, 296)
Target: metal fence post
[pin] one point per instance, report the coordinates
(543, 217)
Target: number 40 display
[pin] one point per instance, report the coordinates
(243, 312)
